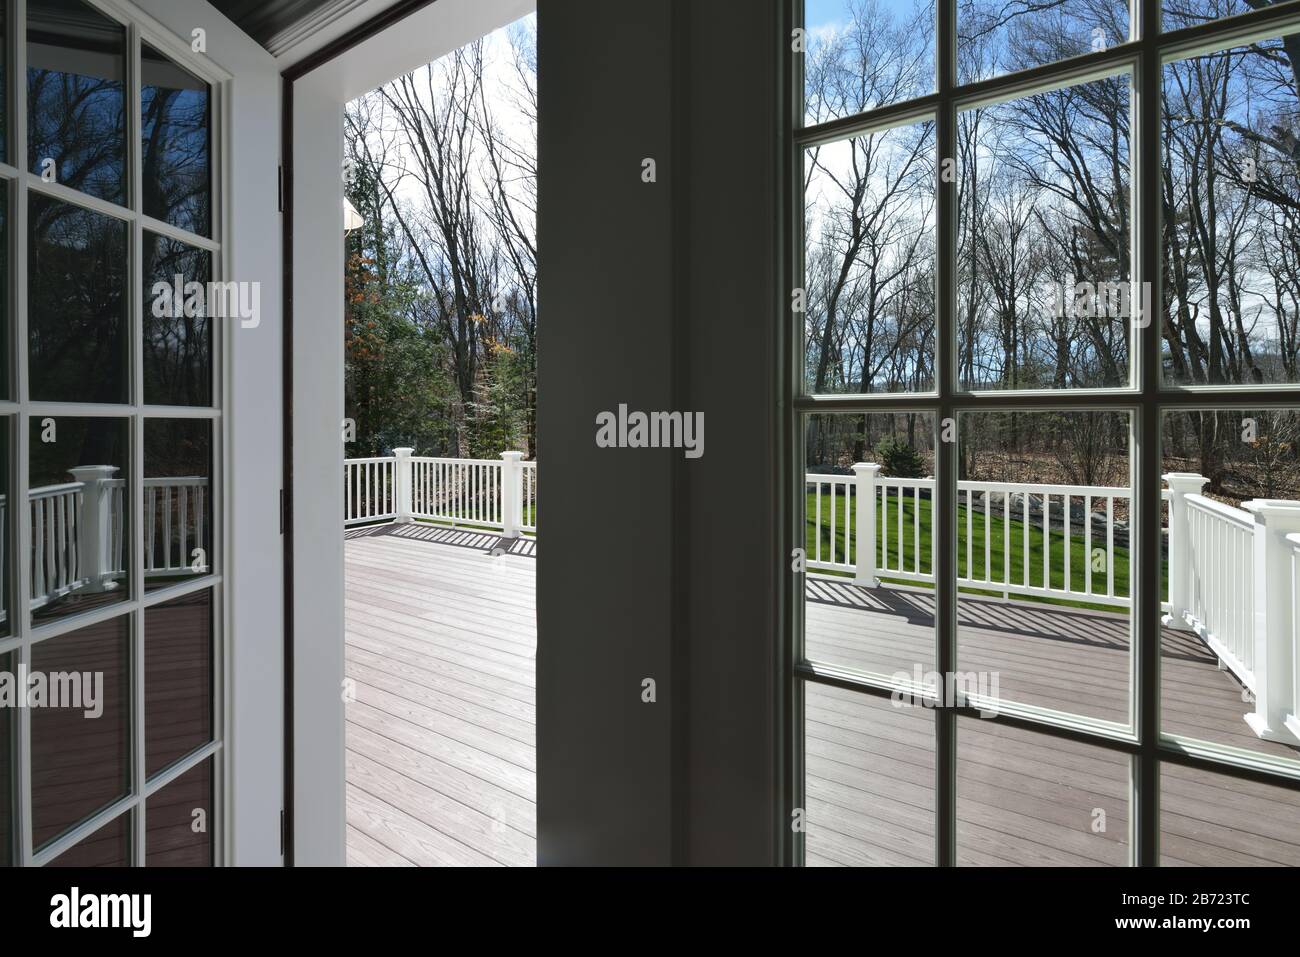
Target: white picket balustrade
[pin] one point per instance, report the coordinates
(1220, 556)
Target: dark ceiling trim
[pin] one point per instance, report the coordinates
(376, 24)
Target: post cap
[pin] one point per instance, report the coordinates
(1185, 481)
(1273, 507)
(403, 452)
(867, 467)
(512, 456)
(83, 472)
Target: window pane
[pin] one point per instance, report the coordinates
(869, 263)
(1188, 13)
(5, 317)
(177, 679)
(997, 36)
(6, 566)
(869, 780)
(176, 168)
(110, 846)
(177, 500)
(1043, 553)
(1231, 212)
(1032, 800)
(870, 585)
(8, 769)
(77, 323)
(179, 821)
(1043, 238)
(81, 755)
(1214, 820)
(177, 340)
(864, 54)
(78, 514)
(76, 104)
(1232, 490)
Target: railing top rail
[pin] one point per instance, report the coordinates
(176, 480)
(431, 458)
(1219, 510)
(48, 491)
(368, 461)
(1294, 539)
(1099, 491)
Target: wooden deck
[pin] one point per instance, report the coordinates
(441, 765)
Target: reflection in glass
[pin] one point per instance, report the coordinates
(110, 846)
(81, 754)
(1002, 36)
(869, 263)
(1044, 510)
(868, 779)
(77, 322)
(1232, 488)
(179, 830)
(1213, 820)
(5, 317)
(176, 169)
(1043, 293)
(6, 598)
(177, 500)
(1231, 215)
(177, 679)
(1030, 800)
(78, 514)
(8, 775)
(869, 590)
(864, 54)
(76, 103)
(177, 340)
(1175, 14)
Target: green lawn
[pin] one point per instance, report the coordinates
(996, 526)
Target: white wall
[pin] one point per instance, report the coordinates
(319, 98)
(254, 563)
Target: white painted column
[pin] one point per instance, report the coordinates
(1292, 720)
(95, 528)
(1274, 610)
(512, 493)
(1181, 484)
(864, 474)
(402, 486)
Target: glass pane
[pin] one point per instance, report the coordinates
(175, 123)
(1232, 495)
(177, 679)
(78, 514)
(177, 337)
(1213, 820)
(76, 103)
(869, 591)
(4, 83)
(1231, 211)
(1188, 13)
(1003, 36)
(77, 322)
(1043, 553)
(5, 318)
(1043, 237)
(8, 767)
(1031, 800)
(869, 780)
(6, 566)
(81, 748)
(177, 500)
(110, 846)
(179, 821)
(869, 263)
(864, 54)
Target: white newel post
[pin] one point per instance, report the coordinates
(864, 475)
(95, 528)
(1181, 484)
(1292, 721)
(512, 493)
(402, 504)
(1274, 635)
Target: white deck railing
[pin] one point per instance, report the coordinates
(484, 493)
(1233, 574)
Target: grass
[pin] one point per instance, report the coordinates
(980, 527)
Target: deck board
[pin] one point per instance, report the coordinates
(441, 761)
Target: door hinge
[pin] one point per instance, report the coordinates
(279, 186)
(284, 510)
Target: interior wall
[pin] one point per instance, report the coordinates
(662, 296)
(253, 563)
